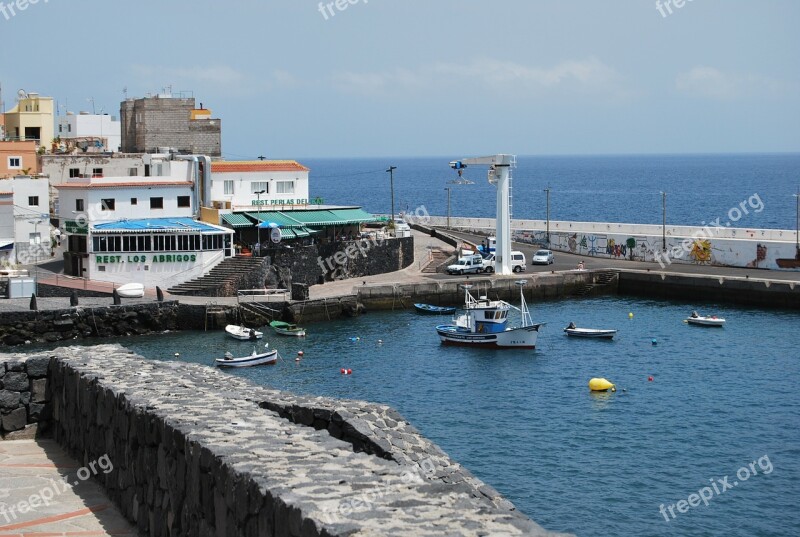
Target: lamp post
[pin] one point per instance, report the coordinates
(797, 226)
(547, 215)
(390, 171)
(37, 245)
(663, 221)
(258, 197)
(448, 205)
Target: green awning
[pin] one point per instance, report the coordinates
(354, 216)
(276, 217)
(237, 220)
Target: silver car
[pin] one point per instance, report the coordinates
(543, 257)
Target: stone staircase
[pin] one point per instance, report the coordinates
(439, 259)
(601, 282)
(226, 272)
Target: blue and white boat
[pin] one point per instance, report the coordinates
(430, 309)
(484, 324)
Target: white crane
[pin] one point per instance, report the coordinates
(500, 176)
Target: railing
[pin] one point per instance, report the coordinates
(262, 295)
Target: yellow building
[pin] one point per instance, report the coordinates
(31, 120)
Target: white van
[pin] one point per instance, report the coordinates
(471, 264)
(517, 262)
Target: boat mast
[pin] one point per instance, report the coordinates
(526, 314)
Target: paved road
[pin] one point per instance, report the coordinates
(565, 261)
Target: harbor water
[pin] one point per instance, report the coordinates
(694, 408)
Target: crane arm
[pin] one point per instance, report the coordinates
(495, 160)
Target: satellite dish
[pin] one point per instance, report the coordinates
(21, 94)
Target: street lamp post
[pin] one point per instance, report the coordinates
(663, 221)
(448, 205)
(547, 214)
(258, 197)
(390, 171)
(797, 226)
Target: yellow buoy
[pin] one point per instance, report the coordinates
(630, 315)
(601, 385)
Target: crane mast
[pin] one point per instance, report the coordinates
(499, 175)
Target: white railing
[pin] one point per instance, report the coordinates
(263, 295)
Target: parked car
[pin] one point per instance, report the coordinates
(471, 264)
(543, 257)
(517, 262)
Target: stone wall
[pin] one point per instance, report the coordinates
(23, 394)
(56, 291)
(17, 328)
(341, 260)
(198, 452)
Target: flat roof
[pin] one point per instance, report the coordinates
(161, 225)
(78, 186)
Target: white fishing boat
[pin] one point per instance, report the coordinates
(701, 320)
(287, 329)
(483, 324)
(242, 332)
(263, 358)
(596, 333)
(131, 290)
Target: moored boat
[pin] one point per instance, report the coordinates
(242, 332)
(702, 320)
(263, 358)
(484, 325)
(596, 333)
(287, 329)
(430, 309)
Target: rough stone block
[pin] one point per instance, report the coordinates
(39, 390)
(16, 382)
(15, 420)
(9, 400)
(36, 366)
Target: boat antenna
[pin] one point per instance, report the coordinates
(526, 314)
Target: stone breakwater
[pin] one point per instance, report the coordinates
(196, 451)
(50, 326)
(23, 394)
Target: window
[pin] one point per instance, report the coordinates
(35, 238)
(156, 203)
(61, 128)
(33, 201)
(74, 172)
(134, 201)
(228, 188)
(79, 205)
(133, 172)
(184, 201)
(108, 204)
(147, 170)
(14, 163)
(285, 187)
(259, 186)
(97, 172)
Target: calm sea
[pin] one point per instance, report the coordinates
(600, 189)
(526, 423)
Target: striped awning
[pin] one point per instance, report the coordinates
(237, 220)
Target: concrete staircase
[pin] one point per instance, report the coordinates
(226, 272)
(438, 260)
(602, 282)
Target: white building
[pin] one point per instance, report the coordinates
(90, 128)
(141, 228)
(235, 185)
(26, 236)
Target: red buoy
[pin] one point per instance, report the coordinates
(343, 371)
(299, 353)
(650, 379)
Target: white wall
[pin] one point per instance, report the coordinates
(95, 214)
(151, 273)
(736, 247)
(83, 125)
(243, 198)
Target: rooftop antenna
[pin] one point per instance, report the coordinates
(91, 100)
(125, 92)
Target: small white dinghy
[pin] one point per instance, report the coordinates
(574, 331)
(700, 320)
(264, 358)
(131, 290)
(242, 332)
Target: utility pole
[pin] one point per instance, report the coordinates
(258, 197)
(448, 206)
(390, 171)
(547, 237)
(797, 228)
(663, 221)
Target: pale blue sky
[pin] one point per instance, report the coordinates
(432, 77)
